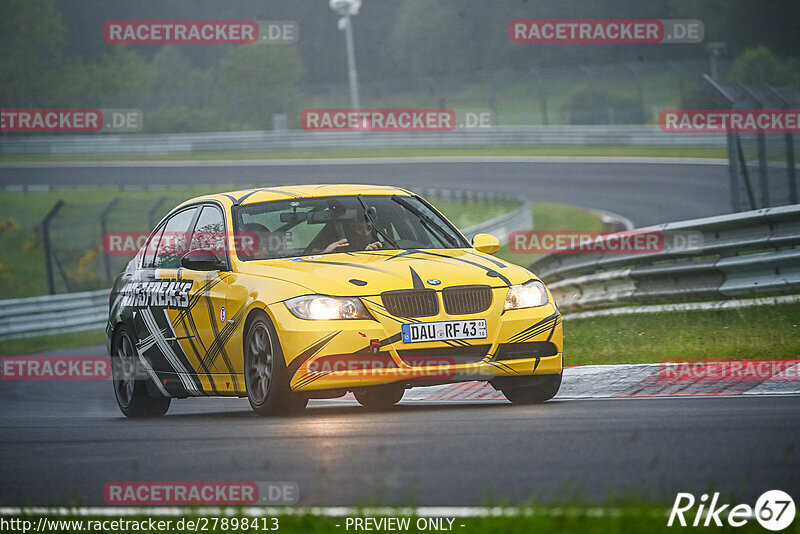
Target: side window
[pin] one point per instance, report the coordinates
(151, 247)
(172, 246)
(209, 231)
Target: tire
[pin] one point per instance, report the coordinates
(265, 374)
(532, 390)
(132, 394)
(380, 397)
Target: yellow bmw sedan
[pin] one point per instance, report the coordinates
(285, 294)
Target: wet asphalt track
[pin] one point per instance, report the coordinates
(61, 442)
(647, 193)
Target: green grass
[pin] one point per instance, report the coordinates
(35, 345)
(553, 217)
(757, 333)
(467, 214)
(565, 151)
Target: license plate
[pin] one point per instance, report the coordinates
(444, 330)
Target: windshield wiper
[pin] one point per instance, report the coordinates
(368, 215)
(432, 226)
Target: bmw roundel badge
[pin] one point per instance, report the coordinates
(434, 281)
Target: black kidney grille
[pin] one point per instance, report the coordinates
(411, 302)
(462, 300)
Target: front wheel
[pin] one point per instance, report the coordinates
(266, 377)
(380, 397)
(532, 390)
(132, 396)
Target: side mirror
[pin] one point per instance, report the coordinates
(202, 259)
(486, 243)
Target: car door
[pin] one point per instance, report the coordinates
(204, 329)
(161, 292)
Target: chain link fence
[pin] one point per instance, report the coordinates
(80, 253)
(762, 166)
(76, 247)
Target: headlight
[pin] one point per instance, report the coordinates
(528, 295)
(320, 307)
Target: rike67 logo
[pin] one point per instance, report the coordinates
(774, 510)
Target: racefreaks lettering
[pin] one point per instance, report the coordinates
(162, 293)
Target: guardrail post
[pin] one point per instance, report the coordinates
(761, 142)
(734, 148)
(48, 253)
(103, 230)
(542, 96)
(791, 172)
(639, 88)
(745, 173)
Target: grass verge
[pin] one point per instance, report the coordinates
(566, 151)
(548, 216)
(33, 345)
(757, 333)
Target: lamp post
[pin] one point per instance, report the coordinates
(715, 50)
(346, 9)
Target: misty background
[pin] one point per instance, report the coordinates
(444, 53)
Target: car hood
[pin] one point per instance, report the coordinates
(371, 273)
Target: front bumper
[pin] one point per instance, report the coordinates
(342, 354)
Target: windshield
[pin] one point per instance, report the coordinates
(301, 227)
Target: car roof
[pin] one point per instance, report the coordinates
(283, 192)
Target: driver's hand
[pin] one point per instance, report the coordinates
(336, 244)
(374, 246)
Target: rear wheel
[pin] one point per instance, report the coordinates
(380, 397)
(531, 390)
(133, 397)
(266, 377)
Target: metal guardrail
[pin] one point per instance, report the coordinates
(502, 226)
(77, 312)
(265, 141)
(745, 254)
(53, 314)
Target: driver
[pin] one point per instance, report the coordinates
(359, 235)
